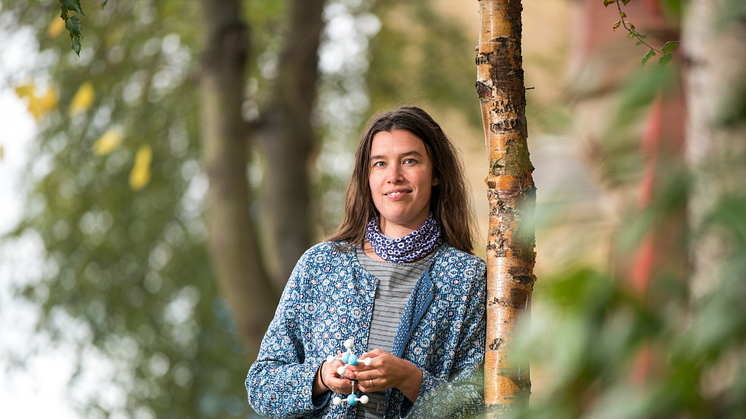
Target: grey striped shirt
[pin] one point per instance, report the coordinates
(395, 284)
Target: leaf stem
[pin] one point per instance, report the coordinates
(632, 30)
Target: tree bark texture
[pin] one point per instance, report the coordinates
(511, 194)
(714, 44)
(231, 233)
(288, 138)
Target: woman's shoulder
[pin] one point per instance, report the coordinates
(326, 251)
(320, 259)
(450, 253)
(452, 267)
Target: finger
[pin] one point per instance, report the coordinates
(341, 385)
(370, 385)
(349, 373)
(353, 372)
(373, 354)
(329, 372)
(372, 379)
(330, 368)
(371, 365)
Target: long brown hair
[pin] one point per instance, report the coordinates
(449, 201)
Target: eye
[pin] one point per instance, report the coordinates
(378, 164)
(410, 161)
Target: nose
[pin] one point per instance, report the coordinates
(394, 174)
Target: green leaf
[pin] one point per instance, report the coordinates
(664, 60)
(642, 36)
(670, 46)
(638, 43)
(616, 25)
(73, 5)
(104, 4)
(75, 44)
(73, 25)
(631, 35)
(647, 56)
(608, 2)
(571, 287)
(626, 1)
(622, 14)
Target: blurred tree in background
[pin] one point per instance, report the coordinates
(194, 150)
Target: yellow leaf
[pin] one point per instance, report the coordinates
(2, 153)
(44, 104)
(49, 101)
(25, 90)
(37, 106)
(83, 99)
(108, 142)
(140, 174)
(34, 106)
(56, 27)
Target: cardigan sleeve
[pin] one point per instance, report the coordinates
(462, 394)
(280, 381)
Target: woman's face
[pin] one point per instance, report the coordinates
(401, 181)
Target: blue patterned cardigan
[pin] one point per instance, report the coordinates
(329, 298)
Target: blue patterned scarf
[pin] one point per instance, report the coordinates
(409, 248)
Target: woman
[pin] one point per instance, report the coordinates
(398, 278)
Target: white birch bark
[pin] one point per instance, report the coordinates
(715, 49)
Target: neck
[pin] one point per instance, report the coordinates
(394, 231)
(397, 231)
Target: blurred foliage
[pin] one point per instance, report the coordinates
(602, 347)
(422, 55)
(620, 148)
(120, 205)
(608, 353)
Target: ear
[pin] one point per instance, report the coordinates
(436, 182)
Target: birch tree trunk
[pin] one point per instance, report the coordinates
(715, 48)
(231, 233)
(511, 194)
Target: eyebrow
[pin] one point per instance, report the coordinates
(408, 153)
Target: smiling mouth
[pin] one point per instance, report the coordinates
(397, 194)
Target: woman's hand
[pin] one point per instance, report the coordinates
(386, 371)
(327, 374)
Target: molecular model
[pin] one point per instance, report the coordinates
(349, 359)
